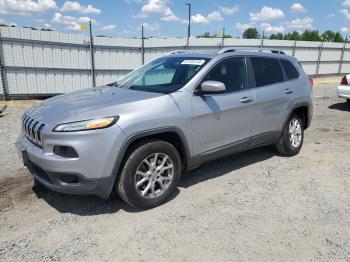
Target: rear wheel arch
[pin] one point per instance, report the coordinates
(302, 110)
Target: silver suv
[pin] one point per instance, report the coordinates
(139, 134)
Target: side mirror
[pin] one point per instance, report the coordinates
(211, 87)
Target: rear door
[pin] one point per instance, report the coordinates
(223, 120)
(272, 97)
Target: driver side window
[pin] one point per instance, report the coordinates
(231, 72)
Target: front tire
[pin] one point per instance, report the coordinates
(150, 174)
(292, 137)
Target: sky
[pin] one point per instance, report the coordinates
(169, 18)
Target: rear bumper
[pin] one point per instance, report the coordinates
(343, 91)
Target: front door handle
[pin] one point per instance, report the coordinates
(245, 100)
(288, 91)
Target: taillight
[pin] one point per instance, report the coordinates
(311, 81)
(344, 81)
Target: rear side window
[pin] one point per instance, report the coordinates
(267, 71)
(290, 70)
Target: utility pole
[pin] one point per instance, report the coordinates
(189, 27)
(142, 45)
(223, 38)
(262, 40)
(3, 75)
(92, 52)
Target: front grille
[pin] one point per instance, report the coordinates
(33, 129)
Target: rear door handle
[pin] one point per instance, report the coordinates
(245, 100)
(288, 91)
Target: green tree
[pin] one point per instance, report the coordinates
(295, 36)
(279, 36)
(328, 36)
(251, 33)
(272, 36)
(338, 38)
(309, 35)
(205, 35)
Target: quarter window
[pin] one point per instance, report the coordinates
(231, 72)
(290, 70)
(267, 71)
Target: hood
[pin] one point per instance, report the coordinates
(87, 104)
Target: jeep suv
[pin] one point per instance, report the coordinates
(139, 134)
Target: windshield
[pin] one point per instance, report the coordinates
(163, 75)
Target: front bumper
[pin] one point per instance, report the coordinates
(91, 173)
(343, 91)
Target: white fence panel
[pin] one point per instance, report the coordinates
(41, 62)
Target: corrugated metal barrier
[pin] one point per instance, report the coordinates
(43, 63)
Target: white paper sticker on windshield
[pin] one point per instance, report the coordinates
(193, 62)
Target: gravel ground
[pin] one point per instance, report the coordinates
(251, 206)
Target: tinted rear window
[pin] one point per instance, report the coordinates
(290, 70)
(267, 71)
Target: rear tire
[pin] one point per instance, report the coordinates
(150, 174)
(348, 100)
(292, 137)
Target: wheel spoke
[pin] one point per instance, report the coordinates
(141, 182)
(147, 163)
(140, 173)
(165, 168)
(161, 185)
(147, 188)
(164, 178)
(153, 193)
(154, 162)
(163, 162)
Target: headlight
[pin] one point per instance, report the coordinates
(87, 124)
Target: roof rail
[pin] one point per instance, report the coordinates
(233, 49)
(176, 52)
(226, 50)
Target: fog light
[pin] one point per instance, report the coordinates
(65, 151)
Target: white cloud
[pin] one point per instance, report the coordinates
(272, 29)
(171, 18)
(76, 7)
(48, 25)
(229, 10)
(345, 29)
(346, 3)
(345, 13)
(150, 27)
(158, 7)
(301, 24)
(24, 7)
(108, 27)
(266, 13)
(215, 16)
(70, 22)
(86, 20)
(298, 8)
(243, 27)
(199, 19)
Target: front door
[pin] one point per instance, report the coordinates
(223, 120)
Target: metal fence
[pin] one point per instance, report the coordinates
(42, 63)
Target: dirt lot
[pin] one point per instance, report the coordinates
(247, 207)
